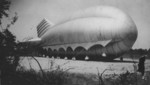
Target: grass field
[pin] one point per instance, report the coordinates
(72, 72)
(75, 66)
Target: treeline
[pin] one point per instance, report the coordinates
(140, 51)
(137, 53)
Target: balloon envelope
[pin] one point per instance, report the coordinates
(96, 24)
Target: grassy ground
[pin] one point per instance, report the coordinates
(59, 77)
(76, 66)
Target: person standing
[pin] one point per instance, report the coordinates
(141, 65)
(121, 58)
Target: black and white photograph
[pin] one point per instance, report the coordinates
(74, 42)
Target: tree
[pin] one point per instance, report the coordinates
(4, 7)
(7, 42)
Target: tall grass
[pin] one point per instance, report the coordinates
(31, 77)
(60, 76)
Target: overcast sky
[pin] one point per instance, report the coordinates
(31, 12)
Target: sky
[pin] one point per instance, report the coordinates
(31, 12)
